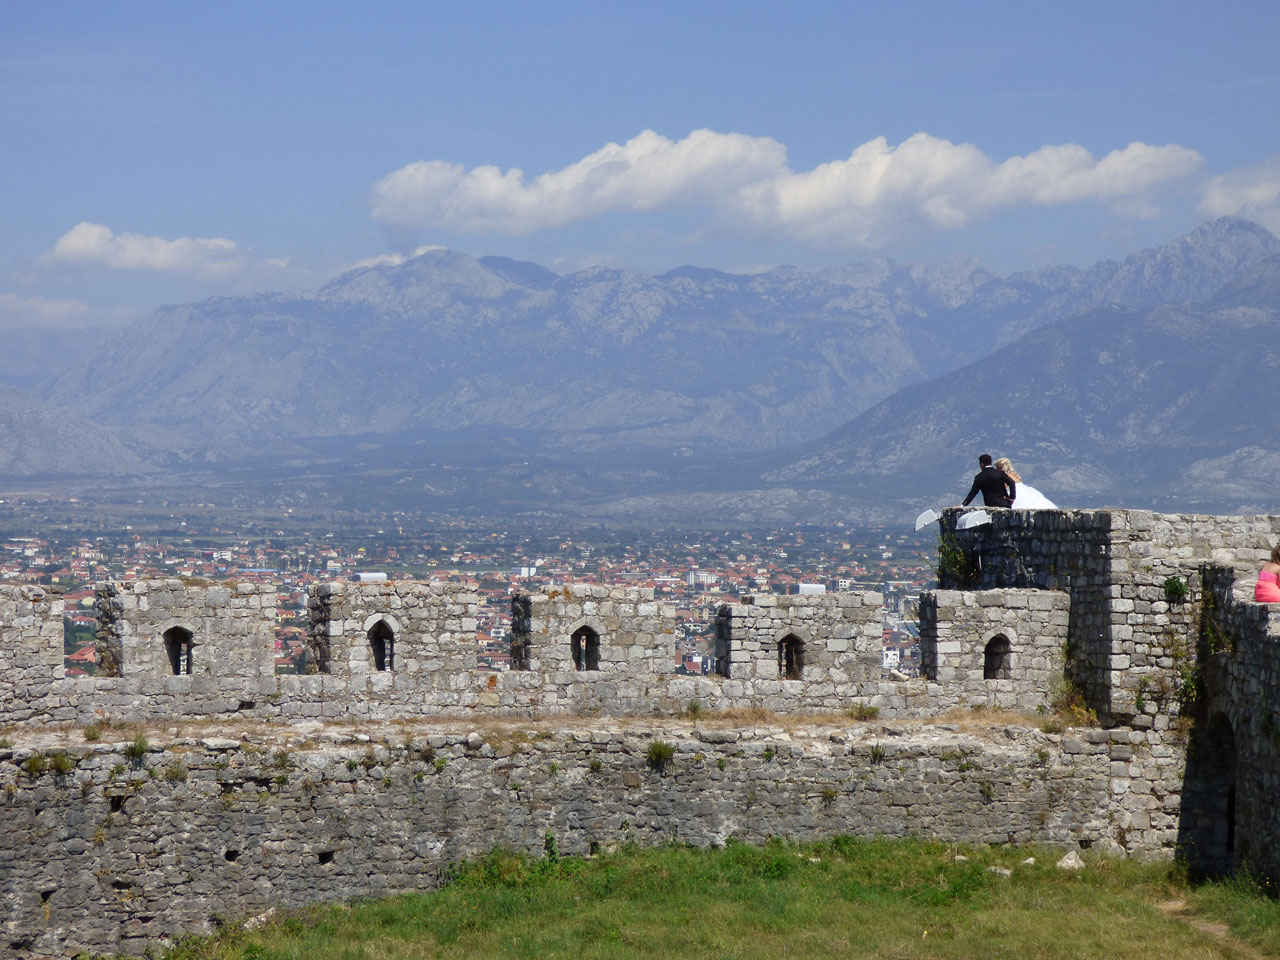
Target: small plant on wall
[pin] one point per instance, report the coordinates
(1175, 589)
(954, 565)
(1212, 638)
(659, 754)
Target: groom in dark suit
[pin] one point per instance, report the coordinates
(996, 486)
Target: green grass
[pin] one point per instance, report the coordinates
(845, 898)
(1248, 907)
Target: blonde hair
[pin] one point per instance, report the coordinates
(1007, 466)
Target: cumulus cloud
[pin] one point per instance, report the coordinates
(92, 244)
(39, 311)
(936, 183)
(745, 182)
(391, 259)
(647, 172)
(1252, 192)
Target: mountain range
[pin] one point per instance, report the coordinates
(497, 383)
(1171, 405)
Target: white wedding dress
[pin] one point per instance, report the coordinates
(1029, 498)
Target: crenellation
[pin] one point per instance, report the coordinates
(1146, 619)
(168, 628)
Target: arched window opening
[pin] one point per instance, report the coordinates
(521, 632)
(791, 657)
(177, 645)
(724, 638)
(995, 660)
(585, 645)
(382, 644)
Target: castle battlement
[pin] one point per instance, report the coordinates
(1143, 620)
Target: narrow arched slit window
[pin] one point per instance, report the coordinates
(791, 657)
(585, 646)
(382, 644)
(177, 646)
(521, 632)
(995, 659)
(724, 642)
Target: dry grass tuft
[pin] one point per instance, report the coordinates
(980, 719)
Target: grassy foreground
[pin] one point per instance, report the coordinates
(844, 898)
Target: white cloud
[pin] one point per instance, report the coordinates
(92, 244)
(39, 311)
(647, 172)
(926, 181)
(391, 259)
(745, 181)
(1252, 192)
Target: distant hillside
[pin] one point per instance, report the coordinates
(38, 441)
(691, 361)
(1174, 405)
(32, 354)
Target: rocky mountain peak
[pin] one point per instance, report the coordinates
(1193, 266)
(432, 277)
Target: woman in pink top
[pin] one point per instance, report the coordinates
(1267, 589)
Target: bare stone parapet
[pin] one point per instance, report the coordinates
(120, 846)
(150, 628)
(409, 631)
(30, 649)
(999, 648)
(1118, 567)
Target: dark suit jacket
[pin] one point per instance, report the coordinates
(997, 489)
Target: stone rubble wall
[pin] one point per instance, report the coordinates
(1184, 757)
(434, 628)
(1235, 751)
(434, 671)
(1125, 639)
(102, 851)
(637, 646)
(1066, 550)
(31, 653)
(840, 632)
(1126, 632)
(232, 628)
(957, 626)
(1152, 633)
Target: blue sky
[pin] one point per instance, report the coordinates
(160, 152)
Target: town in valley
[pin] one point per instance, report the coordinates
(69, 544)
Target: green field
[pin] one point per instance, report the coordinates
(844, 898)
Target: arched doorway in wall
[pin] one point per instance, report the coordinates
(584, 644)
(791, 657)
(1208, 836)
(996, 658)
(177, 647)
(382, 645)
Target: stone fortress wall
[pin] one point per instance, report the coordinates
(1165, 643)
(1142, 618)
(127, 850)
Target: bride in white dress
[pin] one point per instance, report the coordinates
(1028, 498)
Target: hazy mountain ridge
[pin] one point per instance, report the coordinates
(603, 357)
(573, 392)
(1128, 407)
(36, 440)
